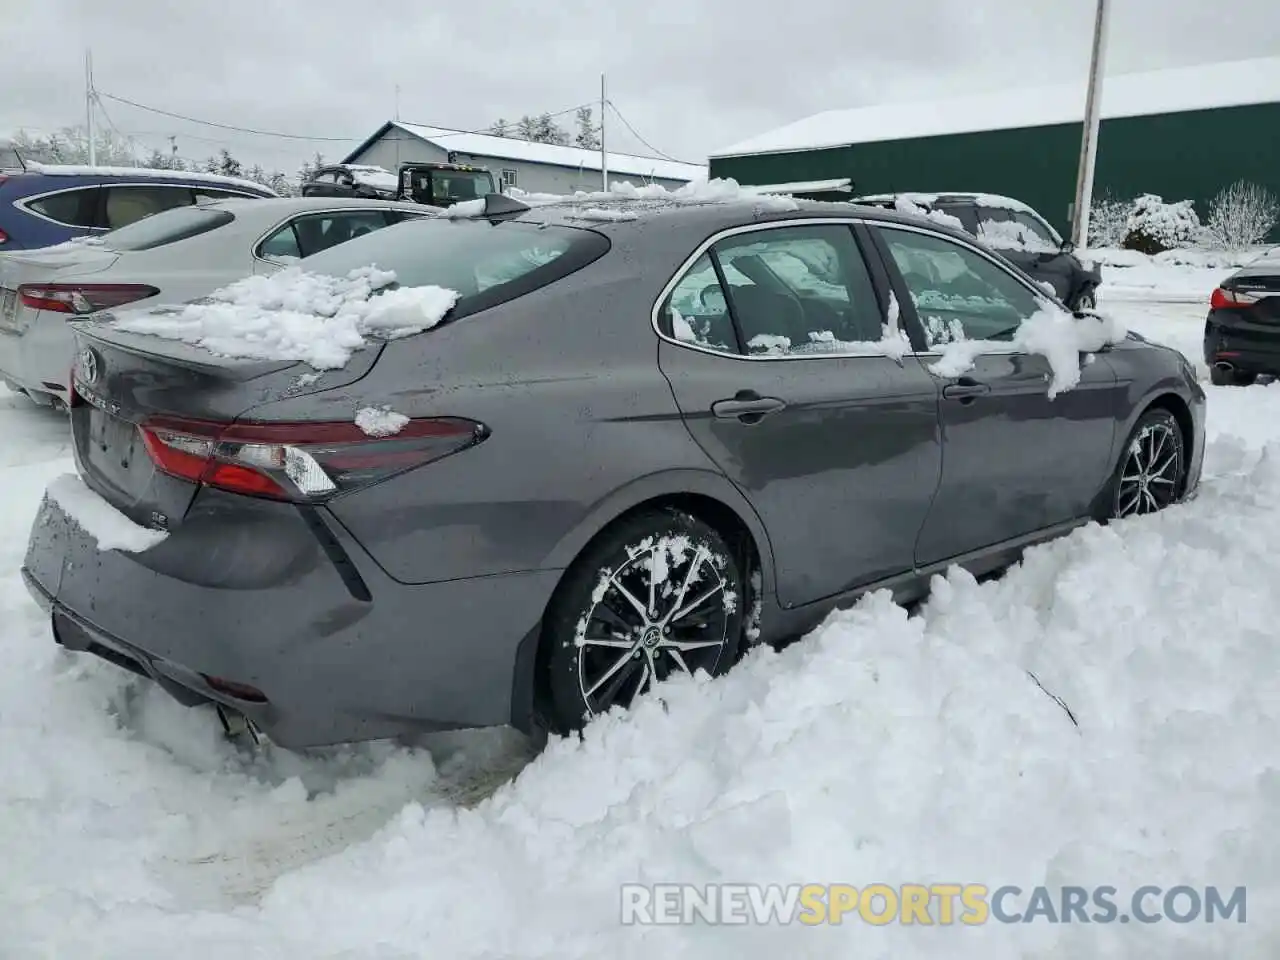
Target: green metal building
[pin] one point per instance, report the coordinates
(1183, 134)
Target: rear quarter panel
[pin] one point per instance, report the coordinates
(583, 424)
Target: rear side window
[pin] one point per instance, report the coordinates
(171, 226)
(788, 291)
(126, 205)
(315, 233)
(486, 263)
(72, 208)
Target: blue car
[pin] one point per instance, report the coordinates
(44, 204)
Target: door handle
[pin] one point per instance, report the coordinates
(747, 406)
(966, 390)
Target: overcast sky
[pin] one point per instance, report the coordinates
(690, 75)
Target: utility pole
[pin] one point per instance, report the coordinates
(397, 103)
(1092, 123)
(88, 107)
(604, 157)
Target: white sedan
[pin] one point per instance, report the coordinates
(180, 254)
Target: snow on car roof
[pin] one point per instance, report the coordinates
(379, 178)
(1203, 87)
(84, 170)
(509, 148)
(930, 197)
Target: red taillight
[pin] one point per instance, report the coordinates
(1223, 299)
(82, 298)
(298, 461)
(4, 237)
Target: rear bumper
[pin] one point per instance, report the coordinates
(37, 357)
(332, 667)
(1249, 347)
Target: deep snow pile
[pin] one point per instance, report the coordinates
(883, 748)
(295, 315)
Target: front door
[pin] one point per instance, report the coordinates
(770, 345)
(1015, 459)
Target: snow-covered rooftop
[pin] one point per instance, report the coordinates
(509, 148)
(151, 173)
(1203, 87)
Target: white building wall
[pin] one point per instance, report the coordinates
(396, 147)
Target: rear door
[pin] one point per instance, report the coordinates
(1015, 461)
(765, 342)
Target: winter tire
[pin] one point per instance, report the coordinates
(1152, 468)
(657, 595)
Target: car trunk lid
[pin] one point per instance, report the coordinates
(44, 266)
(124, 380)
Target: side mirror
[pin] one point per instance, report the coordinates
(1068, 246)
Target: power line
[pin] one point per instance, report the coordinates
(649, 145)
(488, 130)
(223, 126)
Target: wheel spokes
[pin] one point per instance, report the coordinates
(627, 648)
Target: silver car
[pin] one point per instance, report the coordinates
(179, 255)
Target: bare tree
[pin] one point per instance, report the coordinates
(1241, 216)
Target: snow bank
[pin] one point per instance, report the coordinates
(295, 315)
(380, 421)
(883, 748)
(107, 525)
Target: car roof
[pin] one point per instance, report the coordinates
(620, 215)
(78, 174)
(282, 206)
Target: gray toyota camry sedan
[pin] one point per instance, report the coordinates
(647, 434)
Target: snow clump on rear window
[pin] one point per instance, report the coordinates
(294, 315)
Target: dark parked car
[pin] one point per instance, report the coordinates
(1018, 233)
(431, 184)
(636, 444)
(45, 204)
(1242, 331)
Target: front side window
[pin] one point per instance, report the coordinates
(71, 208)
(126, 205)
(1037, 231)
(958, 293)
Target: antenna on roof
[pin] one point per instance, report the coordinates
(499, 204)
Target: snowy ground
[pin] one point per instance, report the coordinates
(883, 748)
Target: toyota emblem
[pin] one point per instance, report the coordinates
(87, 366)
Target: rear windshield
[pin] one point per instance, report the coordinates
(168, 226)
(486, 263)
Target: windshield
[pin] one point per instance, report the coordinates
(169, 226)
(486, 263)
(444, 188)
